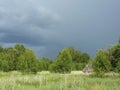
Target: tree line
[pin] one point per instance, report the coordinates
(23, 59)
(19, 58)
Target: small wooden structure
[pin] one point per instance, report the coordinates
(88, 68)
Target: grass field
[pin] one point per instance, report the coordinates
(46, 81)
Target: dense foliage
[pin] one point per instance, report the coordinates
(69, 59)
(19, 58)
(22, 59)
(101, 63)
(107, 60)
(63, 63)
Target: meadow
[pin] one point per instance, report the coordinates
(47, 81)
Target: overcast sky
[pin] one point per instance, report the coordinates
(47, 26)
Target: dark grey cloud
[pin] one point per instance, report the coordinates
(25, 39)
(24, 24)
(49, 26)
(25, 19)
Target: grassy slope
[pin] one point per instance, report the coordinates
(16, 81)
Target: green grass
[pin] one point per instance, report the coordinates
(41, 81)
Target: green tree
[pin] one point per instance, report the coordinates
(79, 59)
(4, 62)
(27, 62)
(114, 55)
(17, 58)
(44, 64)
(75, 54)
(101, 63)
(11, 57)
(20, 49)
(63, 63)
(85, 58)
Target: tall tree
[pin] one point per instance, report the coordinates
(101, 63)
(114, 55)
(27, 62)
(63, 63)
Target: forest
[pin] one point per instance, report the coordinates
(20, 58)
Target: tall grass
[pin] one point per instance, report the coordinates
(43, 81)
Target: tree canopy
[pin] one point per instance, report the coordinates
(23, 59)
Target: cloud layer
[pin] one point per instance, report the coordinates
(49, 26)
(24, 24)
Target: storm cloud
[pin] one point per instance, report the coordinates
(48, 26)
